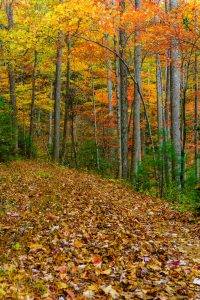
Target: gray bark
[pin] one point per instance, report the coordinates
(167, 104)
(196, 126)
(167, 111)
(175, 104)
(159, 101)
(68, 71)
(184, 86)
(50, 142)
(160, 122)
(136, 113)
(10, 14)
(143, 136)
(196, 129)
(95, 123)
(123, 98)
(117, 88)
(32, 116)
(56, 146)
(110, 98)
(11, 76)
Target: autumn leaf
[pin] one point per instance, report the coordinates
(110, 291)
(16, 246)
(62, 285)
(93, 250)
(36, 247)
(77, 244)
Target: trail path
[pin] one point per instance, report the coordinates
(69, 235)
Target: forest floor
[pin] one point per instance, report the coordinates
(65, 234)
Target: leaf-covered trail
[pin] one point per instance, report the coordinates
(70, 235)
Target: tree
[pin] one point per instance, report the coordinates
(11, 74)
(56, 146)
(32, 116)
(175, 103)
(123, 97)
(136, 115)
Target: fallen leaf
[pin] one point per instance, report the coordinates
(71, 295)
(77, 244)
(36, 247)
(110, 291)
(196, 281)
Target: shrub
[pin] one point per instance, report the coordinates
(7, 141)
(87, 157)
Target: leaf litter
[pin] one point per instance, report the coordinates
(70, 235)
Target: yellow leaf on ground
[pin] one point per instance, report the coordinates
(62, 285)
(77, 244)
(35, 247)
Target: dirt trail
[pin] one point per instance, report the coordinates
(69, 235)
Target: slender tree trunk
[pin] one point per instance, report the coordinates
(183, 123)
(73, 138)
(11, 76)
(95, 124)
(39, 110)
(68, 71)
(110, 98)
(196, 129)
(117, 88)
(143, 136)
(160, 122)
(136, 114)
(32, 116)
(71, 113)
(167, 110)
(167, 121)
(123, 98)
(167, 103)
(196, 126)
(56, 146)
(50, 142)
(159, 101)
(175, 104)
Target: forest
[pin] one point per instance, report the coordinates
(99, 149)
(108, 86)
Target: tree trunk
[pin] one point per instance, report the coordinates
(64, 145)
(110, 98)
(50, 142)
(160, 122)
(73, 136)
(56, 146)
(196, 126)
(136, 114)
(123, 98)
(95, 123)
(183, 122)
(167, 104)
(143, 136)
(117, 88)
(175, 105)
(11, 77)
(32, 116)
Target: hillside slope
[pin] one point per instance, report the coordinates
(70, 235)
